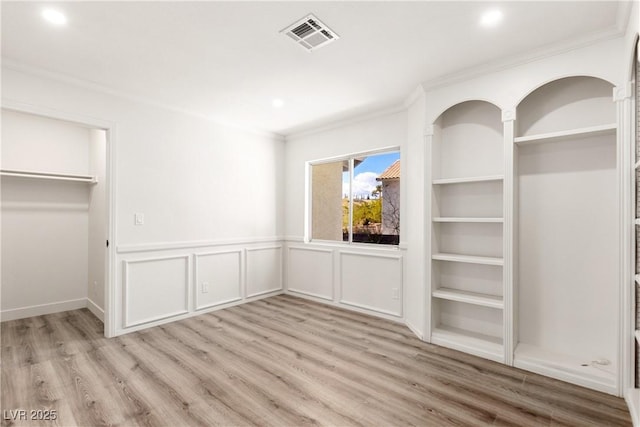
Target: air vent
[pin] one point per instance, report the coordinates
(310, 33)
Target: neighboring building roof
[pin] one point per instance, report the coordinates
(392, 172)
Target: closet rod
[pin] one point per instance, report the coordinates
(45, 175)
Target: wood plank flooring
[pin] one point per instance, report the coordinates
(281, 361)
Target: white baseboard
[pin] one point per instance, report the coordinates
(413, 329)
(95, 309)
(39, 310)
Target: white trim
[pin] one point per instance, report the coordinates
(176, 318)
(413, 96)
(164, 246)
(95, 87)
(42, 309)
(95, 309)
(196, 279)
(125, 285)
(349, 156)
(341, 300)
(312, 294)
(263, 293)
(246, 266)
(330, 123)
(333, 269)
(110, 308)
(632, 398)
(519, 60)
(369, 308)
(413, 329)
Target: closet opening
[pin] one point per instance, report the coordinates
(56, 216)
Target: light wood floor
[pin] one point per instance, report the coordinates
(282, 361)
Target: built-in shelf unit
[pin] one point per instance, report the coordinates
(466, 238)
(566, 208)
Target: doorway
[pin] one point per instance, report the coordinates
(57, 221)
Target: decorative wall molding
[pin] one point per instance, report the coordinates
(509, 114)
(374, 291)
(196, 275)
(164, 246)
(126, 288)
(331, 270)
(622, 92)
(429, 130)
(249, 277)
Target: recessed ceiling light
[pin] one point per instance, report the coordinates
(54, 17)
(491, 18)
(277, 103)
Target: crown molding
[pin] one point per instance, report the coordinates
(530, 56)
(97, 87)
(357, 118)
(413, 96)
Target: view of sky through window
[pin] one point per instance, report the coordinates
(365, 174)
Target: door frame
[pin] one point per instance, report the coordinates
(110, 128)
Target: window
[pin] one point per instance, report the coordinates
(356, 199)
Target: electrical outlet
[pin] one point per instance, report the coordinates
(396, 293)
(138, 219)
(205, 287)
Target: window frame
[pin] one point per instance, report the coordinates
(308, 220)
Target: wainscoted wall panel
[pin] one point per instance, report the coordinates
(155, 288)
(218, 278)
(163, 282)
(264, 270)
(311, 272)
(372, 282)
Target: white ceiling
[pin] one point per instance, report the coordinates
(227, 60)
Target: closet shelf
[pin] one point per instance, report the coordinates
(637, 221)
(52, 176)
(468, 259)
(461, 219)
(637, 334)
(637, 277)
(475, 298)
(482, 345)
(470, 179)
(566, 134)
(637, 165)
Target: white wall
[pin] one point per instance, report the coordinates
(98, 219)
(44, 223)
(364, 277)
(415, 167)
(199, 184)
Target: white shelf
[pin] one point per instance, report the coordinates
(637, 165)
(481, 345)
(566, 367)
(637, 221)
(468, 259)
(50, 176)
(637, 277)
(471, 179)
(567, 134)
(637, 334)
(459, 219)
(475, 298)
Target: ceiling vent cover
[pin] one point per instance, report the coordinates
(310, 33)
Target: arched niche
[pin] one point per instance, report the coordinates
(468, 141)
(567, 103)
